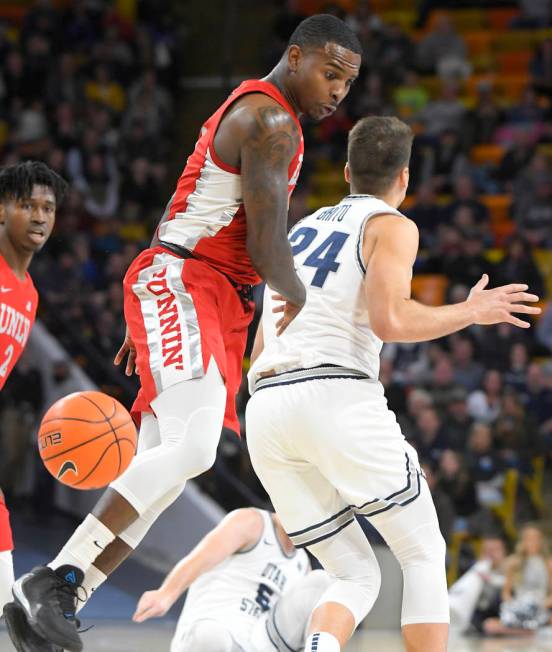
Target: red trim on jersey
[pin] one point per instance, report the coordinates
(247, 87)
(6, 538)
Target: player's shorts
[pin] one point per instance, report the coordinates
(181, 312)
(6, 539)
(326, 449)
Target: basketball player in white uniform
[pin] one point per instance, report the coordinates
(250, 589)
(321, 437)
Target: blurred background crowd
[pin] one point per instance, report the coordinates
(107, 99)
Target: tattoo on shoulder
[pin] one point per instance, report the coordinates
(274, 136)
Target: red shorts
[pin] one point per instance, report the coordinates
(181, 313)
(6, 540)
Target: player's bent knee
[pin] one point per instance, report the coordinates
(425, 546)
(207, 636)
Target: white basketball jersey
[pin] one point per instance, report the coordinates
(245, 586)
(333, 328)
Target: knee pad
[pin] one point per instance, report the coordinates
(423, 546)
(207, 636)
(192, 442)
(421, 556)
(350, 561)
(136, 531)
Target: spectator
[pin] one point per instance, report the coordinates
(396, 53)
(516, 375)
(535, 220)
(441, 384)
(484, 404)
(470, 266)
(443, 50)
(544, 328)
(527, 111)
(526, 595)
(465, 196)
(486, 116)
(446, 161)
(457, 421)
(410, 97)
(454, 479)
(484, 465)
(467, 372)
(519, 263)
(446, 113)
(475, 597)
(538, 398)
(429, 439)
(541, 68)
(103, 89)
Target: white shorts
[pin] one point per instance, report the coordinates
(327, 449)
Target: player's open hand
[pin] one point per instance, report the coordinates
(499, 304)
(152, 604)
(289, 312)
(127, 347)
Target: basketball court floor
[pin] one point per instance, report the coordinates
(123, 636)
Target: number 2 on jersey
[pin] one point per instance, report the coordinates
(324, 256)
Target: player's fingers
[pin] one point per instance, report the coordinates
(528, 310)
(278, 297)
(513, 287)
(482, 283)
(130, 362)
(522, 296)
(279, 308)
(121, 354)
(518, 322)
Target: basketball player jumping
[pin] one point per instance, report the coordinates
(29, 194)
(250, 589)
(187, 306)
(321, 437)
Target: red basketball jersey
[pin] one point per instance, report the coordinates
(206, 214)
(18, 303)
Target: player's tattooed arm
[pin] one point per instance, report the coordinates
(267, 148)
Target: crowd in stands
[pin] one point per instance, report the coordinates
(89, 93)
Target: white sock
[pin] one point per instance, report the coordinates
(87, 542)
(93, 579)
(322, 642)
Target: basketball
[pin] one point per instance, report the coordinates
(86, 440)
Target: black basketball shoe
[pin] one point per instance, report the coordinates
(49, 600)
(22, 635)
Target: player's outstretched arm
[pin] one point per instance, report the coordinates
(390, 248)
(269, 142)
(239, 530)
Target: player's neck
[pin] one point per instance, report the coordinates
(277, 77)
(391, 198)
(18, 262)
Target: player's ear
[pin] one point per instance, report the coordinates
(294, 55)
(405, 177)
(347, 172)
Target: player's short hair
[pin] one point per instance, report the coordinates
(17, 181)
(316, 31)
(378, 148)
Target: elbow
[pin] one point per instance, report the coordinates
(259, 258)
(386, 329)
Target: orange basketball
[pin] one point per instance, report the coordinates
(86, 440)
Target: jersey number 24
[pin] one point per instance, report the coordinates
(324, 257)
